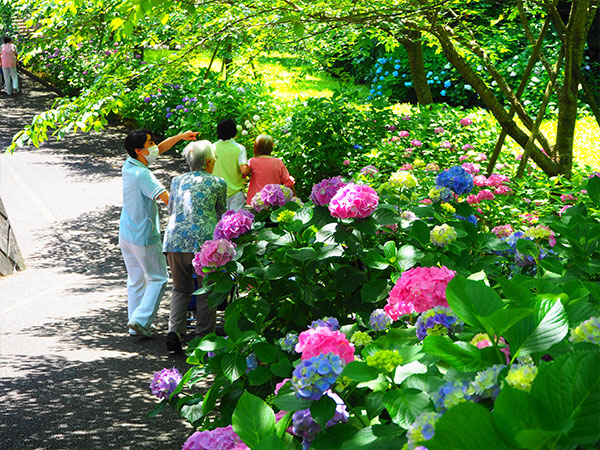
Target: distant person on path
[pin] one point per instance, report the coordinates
(232, 163)
(9, 66)
(139, 233)
(197, 201)
(265, 168)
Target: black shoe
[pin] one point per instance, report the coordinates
(220, 331)
(174, 343)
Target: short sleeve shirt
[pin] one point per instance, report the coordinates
(9, 55)
(230, 156)
(198, 199)
(139, 223)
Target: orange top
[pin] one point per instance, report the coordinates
(267, 170)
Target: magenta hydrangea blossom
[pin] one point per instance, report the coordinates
(164, 382)
(438, 130)
(403, 133)
(218, 439)
(322, 193)
(233, 224)
(419, 289)
(465, 121)
(322, 340)
(416, 143)
(354, 201)
(271, 195)
(215, 253)
(369, 170)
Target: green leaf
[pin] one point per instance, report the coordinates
(158, 408)
(265, 352)
(376, 437)
(385, 215)
(282, 368)
(539, 331)
(233, 366)
(514, 290)
(551, 265)
(259, 376)
(376, 260)
(359, 371)
(499, 321)
(518, 414)
(323, 410)
(405, 405)
(460, 355)
(389, 250)
(569, 390)
(420, 231)
(273, 442)
(470, 299)
(302, 254)
(465, 426)
(406, 370)
(283, 423)
(210, 399)
(374, 404)
(278, 270)
(374, 291)
(407, 257)
(192, 412)
(333, 437)
(253, 420)
(212, 343)
(289, 402)
(527, 247)
(593, 188)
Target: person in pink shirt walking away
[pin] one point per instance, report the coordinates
(9, 66)
(266, 169)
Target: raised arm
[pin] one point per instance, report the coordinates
(170, 142)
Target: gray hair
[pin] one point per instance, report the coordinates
(198, 153)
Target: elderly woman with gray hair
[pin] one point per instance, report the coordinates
(197, 201)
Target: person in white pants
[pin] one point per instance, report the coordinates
(139, 229)
(9, 66)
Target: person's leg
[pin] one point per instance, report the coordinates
(236, 201)
(183, 286)
(136, 279)
(154, 265)
(15, 79)
(7, 80)
(206, 318)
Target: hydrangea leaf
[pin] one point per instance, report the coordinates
(359, 371)
(253, 420)
(233, 366)
(289, 402)
(376, 437)
(323, 410)
(460, 355)
(404, 405)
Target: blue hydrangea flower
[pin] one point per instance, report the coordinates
(486, 382)
(313, 376)
(288, 343)
(379, 320)
(379, 70)
(408, 83)
(395, 73)
(472, 218)
(422, 429)
(251, 362)
(447, 83)
(451, 394)
(397, 66)
(429, 74)
(443, 92)
(328, 322)
(438, 321)
(457, 179)
(587, 331)
(372, 91)
(387, 73)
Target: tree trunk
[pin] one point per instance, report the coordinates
(575, 37)
(414, 50)
(549, 167)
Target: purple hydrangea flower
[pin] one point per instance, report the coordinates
(271, 195)
(322, 193)
(164, 382)
(369, 170)
(457, 179)
(313, 376)
(233, 224)
(304, 426)
(329, 322)
(217, 439)
(439, 321)
(451, 394)
(379, 320)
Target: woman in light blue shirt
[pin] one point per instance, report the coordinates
(197, 201)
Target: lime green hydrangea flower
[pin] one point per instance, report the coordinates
(386, 360)
(443, 235)
(418, 163)
(360, 338)
(448, 208)
(521, 376)
(342, 383)
(285, 216)
(403, 179)
(587, 331)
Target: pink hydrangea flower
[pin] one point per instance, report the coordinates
(502, 190)
(495, 180)
(233, 224)
(463, 158)
(346, 162)
(218, 439)
(407, 166)
(426, 201)
(280, 385)
(394, 139)
(479, 180)
(485, 194)
(323, 340)
(563, 209)
(467, 147)
(403, 133)
(566, 198)
(215, 253)
(473, 199)
(438, 130)
(503, 230)
(432, 167)
(519, 157)
(164, 382)
(482, 340)
(418, 290)
(322, 193)
(354, 201)
(408, 150)
(416, 143)
(481, 157)
(407, 117)
(465, 121)
(473, 169)
(446, 144)
(271, 195)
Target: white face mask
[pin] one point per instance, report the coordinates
(152, 155)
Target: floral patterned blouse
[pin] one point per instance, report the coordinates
(198, 199)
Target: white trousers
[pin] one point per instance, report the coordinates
(236, 201)
(10, 79)
(147, 278)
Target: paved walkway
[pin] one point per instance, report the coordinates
(70, 376)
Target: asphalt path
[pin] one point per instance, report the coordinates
(70, 375)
